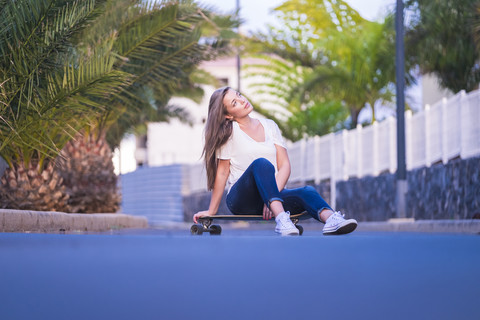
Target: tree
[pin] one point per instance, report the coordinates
(48, 92)
(476, 26)
(441, 39)
(69, 71)
(160, 45)
(341, 63)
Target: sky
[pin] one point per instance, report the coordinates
(257, 13)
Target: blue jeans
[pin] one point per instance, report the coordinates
(257, 186)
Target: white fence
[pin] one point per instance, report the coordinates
(448, 129)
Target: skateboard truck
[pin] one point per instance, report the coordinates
(206, 226)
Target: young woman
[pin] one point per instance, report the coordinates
(250, 157)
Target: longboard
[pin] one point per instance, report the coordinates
(205, 223)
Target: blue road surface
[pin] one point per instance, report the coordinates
(239, 275)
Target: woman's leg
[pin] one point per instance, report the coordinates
(256, 187)
(306, 199)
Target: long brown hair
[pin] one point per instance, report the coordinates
(217, 131)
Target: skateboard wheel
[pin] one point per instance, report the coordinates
(300, 229)
(196, 230)
(215, 229)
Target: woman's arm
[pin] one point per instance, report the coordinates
(223, 170)
(283, 165)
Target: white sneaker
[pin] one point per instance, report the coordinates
(285, 226)
(336, 224)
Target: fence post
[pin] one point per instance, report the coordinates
(345, 154)
(359, 134)
(375, 148)
(333, 175)
(392, 137)
(428, 143)
(316, 159)
(443, 130)
(408, 142)
(464, 124)
(302, 160)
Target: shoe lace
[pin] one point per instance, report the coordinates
(338, 216)
(285, 219)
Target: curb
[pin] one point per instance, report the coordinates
(432, 226)
(49, 221)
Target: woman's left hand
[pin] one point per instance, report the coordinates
(267, 213)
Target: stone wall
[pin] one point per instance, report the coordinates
(368, 198)
(450, 191)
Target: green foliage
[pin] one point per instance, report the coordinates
(70, 65)
(48, 90)
(325, 63)
(441, 39)
(160, 44)
(476, 26)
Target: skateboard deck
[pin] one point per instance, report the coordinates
(205, 223)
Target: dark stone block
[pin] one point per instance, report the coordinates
(368, 198)
(450, 191)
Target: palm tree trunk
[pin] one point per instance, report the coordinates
(32, 188)
(372, 106)
(88, 173)
(354, 115)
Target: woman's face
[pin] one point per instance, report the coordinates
(237, 105)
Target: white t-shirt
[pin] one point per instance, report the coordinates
(242, 150)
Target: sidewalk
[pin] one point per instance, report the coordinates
(411, 225)
(393, 225)
(54, 222)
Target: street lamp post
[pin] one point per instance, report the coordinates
(238, 53)
(400, 86)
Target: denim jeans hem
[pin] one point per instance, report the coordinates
(274, 199)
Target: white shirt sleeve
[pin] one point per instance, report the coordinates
(225, 151)
(276, 134)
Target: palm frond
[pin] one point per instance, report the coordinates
(34, 36)
(46, 99)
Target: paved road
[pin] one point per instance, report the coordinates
(241, 274)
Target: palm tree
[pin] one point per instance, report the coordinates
(49, 90)
(339, 61)
(277, 82)
(360, 69)
(69, 70)
(160, 45)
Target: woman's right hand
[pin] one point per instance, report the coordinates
(267, 213)
(200, 214)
